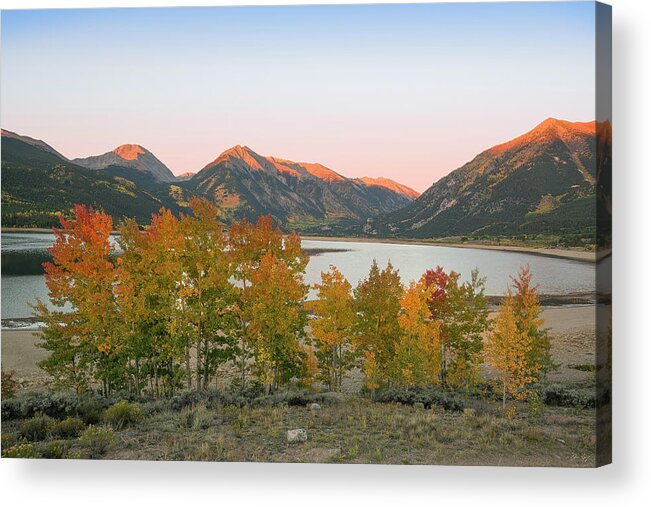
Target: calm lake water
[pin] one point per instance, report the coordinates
(22, 254)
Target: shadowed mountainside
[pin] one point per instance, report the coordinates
(542, 182)
(244, 183)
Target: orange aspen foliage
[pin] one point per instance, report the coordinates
(81, 276)
(417, 356)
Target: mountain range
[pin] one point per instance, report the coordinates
(542, 182)
(548, 181)
(130, 181)
(243, 182)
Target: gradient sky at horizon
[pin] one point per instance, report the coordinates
(409, 92)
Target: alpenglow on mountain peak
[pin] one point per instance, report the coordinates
(131, 156)
(301, 170)
(543, 180)
(130, 151)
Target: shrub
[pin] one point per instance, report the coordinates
(187, 399)
(252, 389)
(9, 384)
(11, 409)
(210, 398)
(97, 440)
(90, 410)
(122, 414)
(561, 396)
(196, 417)
(36, 428)
(535, 405)
(154, 407)
(53, 404)
(56, 449)
(23, 450)
(282, 398)
(429, 396)
(297, 399)
(70, 427)
(8, 440)
(480, 406)
(58, 404)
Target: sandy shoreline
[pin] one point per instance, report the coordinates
(572, 329)
(575, 255)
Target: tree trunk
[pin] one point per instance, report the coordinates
(333, 375)
(205, 364)
(503, 395)
(170, 366)
(198, 356)
(243, 344)
(137, 377)
(443, 364)
(243, 360)
(187, 366)
(157, 395)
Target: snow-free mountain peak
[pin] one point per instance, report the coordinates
(133, 156)
(32, 142)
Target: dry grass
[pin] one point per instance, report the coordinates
(356, 431)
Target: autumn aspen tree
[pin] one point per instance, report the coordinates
(332, 326)
(507, 349)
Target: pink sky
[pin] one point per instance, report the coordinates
(408, 92)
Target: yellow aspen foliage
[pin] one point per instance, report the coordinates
(332, 327)
(527, 310)
(506, 352)
(371, 372)
(248, 243)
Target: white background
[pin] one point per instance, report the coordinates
(626, 482)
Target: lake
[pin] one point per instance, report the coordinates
(22, 254)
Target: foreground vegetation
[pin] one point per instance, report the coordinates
(213, 426)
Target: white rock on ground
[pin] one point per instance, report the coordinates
(297, 435)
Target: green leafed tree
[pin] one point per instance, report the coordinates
(206, 294)
(377, 305)
(276, 318)
(461, 309)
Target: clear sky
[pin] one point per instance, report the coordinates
(409, 92)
